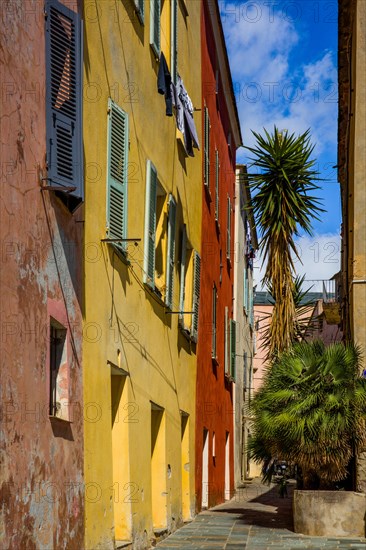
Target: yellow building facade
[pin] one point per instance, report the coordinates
(142, 271)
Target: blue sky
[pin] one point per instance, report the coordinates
(283, 58)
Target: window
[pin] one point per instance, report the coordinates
(227, 341)
(155, 7)
(228, 230)
(217, 184)
(59, 371)
(246, 290)
(159, 254)
(245, 370)
(140, 10)
(117, 162)
(206, 148)
(232, 349)
(251, 308)
(171, 253)
(64, 101)
(190, 269)
(214, 307)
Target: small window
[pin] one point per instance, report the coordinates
(59, 371)
(232, 349)
(228, 230)
(206, 148)
(217, 185)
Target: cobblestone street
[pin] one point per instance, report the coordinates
(257, 518)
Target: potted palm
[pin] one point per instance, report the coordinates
(311, 411)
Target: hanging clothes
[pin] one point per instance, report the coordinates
(165, 85)
(184, 116)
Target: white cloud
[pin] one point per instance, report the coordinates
(320, 259)
(269, 89)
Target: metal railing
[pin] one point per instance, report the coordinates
(329, 288)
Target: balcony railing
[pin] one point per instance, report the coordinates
(327, 287)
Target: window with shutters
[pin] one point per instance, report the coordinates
(214, 323)
(117, 162)
(140, 10)
(217, 185)
(228, 229)
(227, 342)
(170, 252)
(64, 102)
(232, 349)
(159, 240)
(196, 295)
(206, 148)
(189, 294)
(246, 290)
(155, 15)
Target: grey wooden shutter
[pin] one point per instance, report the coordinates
(155, 26)
(183, 272)
(196, 295)
(232, 349)
(245, 370)
(174, 40)
(171, 253)
(64, 99)
(217, 184)
(214, 304)
(117, 162)
(206, 152)
(150, 224)
(228, 229)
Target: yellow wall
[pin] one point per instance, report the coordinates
(123, 323)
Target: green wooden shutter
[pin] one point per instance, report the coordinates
(117, 173)
(228, 229)
(206, 126)
(174, 40)
(64, 92)
(140, 10)
(170, 253)
(196, 295)
(155, 26)
(227, 343)
(183, 272)
(217, 184)
(232, 349)
(150, 224)
(251, 308)
(214, 304)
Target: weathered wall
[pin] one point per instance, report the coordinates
(42, 504)
(329, 513)
(215, 407)
(132, 328)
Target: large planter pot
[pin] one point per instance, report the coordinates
(329, 513)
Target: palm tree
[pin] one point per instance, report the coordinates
(311, 411)
(282, 207)
(303, 322)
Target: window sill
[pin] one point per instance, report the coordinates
(155, 52)
(155, 294)
(120, 253)
(58, 419)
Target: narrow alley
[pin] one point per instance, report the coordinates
(257, 518)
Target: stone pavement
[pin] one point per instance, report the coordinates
(257, 518)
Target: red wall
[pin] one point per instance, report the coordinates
(41, 268)
(214, 392)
